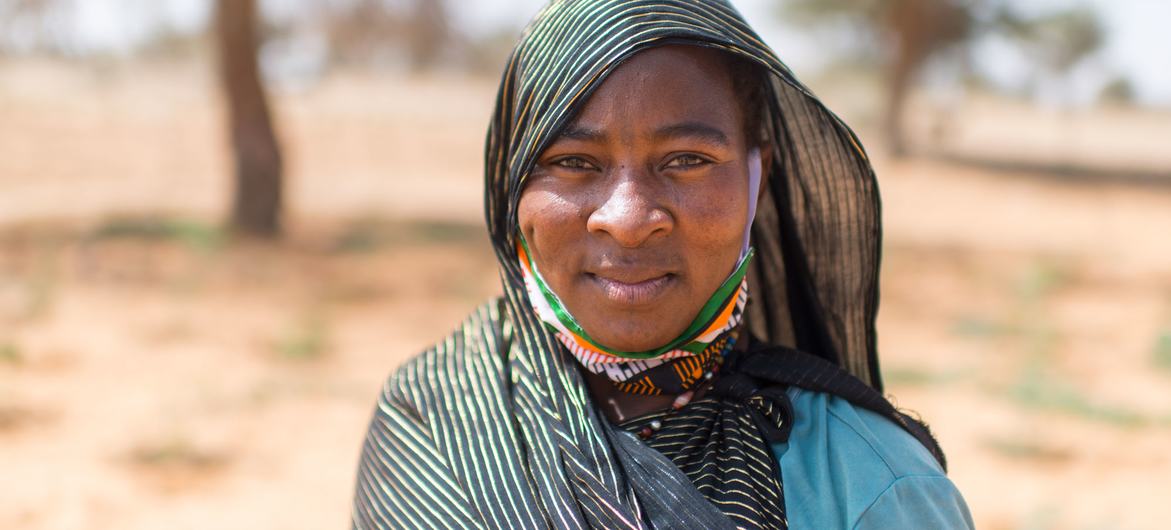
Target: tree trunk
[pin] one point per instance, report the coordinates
(901, 78)
(256, 203)
(918, 29)
(429, 31)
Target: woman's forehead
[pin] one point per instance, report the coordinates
(661, 91)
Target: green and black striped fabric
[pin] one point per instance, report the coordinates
(494, 426)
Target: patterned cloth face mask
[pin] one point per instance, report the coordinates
(677, 366)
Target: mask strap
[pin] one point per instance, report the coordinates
(754, 171)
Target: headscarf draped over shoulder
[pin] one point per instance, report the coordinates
(494, 427)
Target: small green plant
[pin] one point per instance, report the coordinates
(196, 235)
(175, 451)
(445, 232)
(1026, 326)
(1024, 321)
(360, 237)
(1026, 449)
(913, 376)
(308, 338)
(10, 353)
(1161, 355)
(979, 327)
(1041, 280)
(175, 463)
(1037, 390)
(369, 235)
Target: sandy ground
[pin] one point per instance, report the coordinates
(156, 374)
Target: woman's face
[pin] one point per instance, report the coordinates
(635, 215)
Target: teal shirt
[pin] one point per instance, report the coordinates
(847, 467)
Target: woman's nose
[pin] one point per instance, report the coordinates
(630, 212)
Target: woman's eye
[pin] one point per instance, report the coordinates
(573, 162)
(686, 161)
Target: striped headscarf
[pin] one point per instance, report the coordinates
(494, 426)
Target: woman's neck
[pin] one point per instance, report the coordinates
(619, 406)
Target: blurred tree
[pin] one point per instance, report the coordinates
(366, 31)
(355, 29)
(1119, 91)
(256, 203)
(912, 32)
(1059, 41)
(427, 33)
(33, 25)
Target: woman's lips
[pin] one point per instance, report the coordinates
(636, 293)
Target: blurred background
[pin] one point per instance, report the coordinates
(223, 224)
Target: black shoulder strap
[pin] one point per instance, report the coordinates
(790, 367)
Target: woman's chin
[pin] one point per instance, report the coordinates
(634, 338)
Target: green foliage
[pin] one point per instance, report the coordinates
(819, 10)
(913, 376)
(1058, 40)
(925, 26)
(1029, 448)
(1025, 326)
(979, 327)
(915, 31)
(360, 238)
(1119, 91)
(198, 236)
(307, 338)
(1025, 320)
(370, 235)
(1161, 356)
(1040, 281)
(175, 452)
(10, 353)
(1037, 390)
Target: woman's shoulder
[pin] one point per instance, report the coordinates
(434, 410)
(853, 430)
(855, 466)
(475, 348)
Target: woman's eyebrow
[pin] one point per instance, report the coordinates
(581, 133)
(693, 129)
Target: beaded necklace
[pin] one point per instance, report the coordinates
(712, 368)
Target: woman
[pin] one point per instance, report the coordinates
(688, 244)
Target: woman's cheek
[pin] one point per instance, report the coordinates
(551, 223)
(718, 211)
